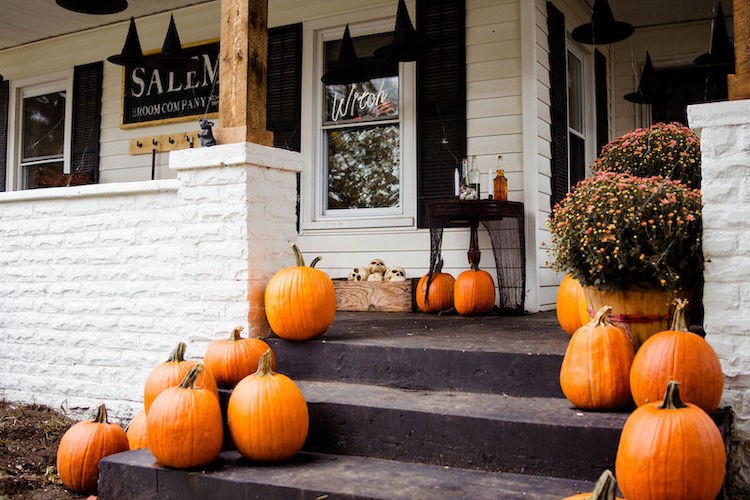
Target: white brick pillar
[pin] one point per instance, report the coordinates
(725, 148)
(248, 193)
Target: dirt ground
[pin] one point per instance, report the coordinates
(29, 435)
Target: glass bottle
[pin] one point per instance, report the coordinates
(500, 184)
(474, 177)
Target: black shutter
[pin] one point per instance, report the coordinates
(559, 102)
(4, 95)
(441, 99)
(87, 118)
(283, 101)
(602, 109)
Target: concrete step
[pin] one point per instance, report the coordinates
(135, 475)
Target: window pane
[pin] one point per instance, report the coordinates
(363, 167)
(376, 99)
(44, 175)
(43, 126)
(575, 93)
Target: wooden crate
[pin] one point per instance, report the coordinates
(375, 296)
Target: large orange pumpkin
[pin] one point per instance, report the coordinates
(681, 355)
(595, 370)
(670, 450)
(185, 427)
(231, 360)
(300, 302)
(83, 446)
(474, 292)
(267, 415)
(435, 291)
(170, 373)
(604, 489)
(136, 431)
(572, 313)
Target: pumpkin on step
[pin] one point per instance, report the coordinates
(435, 291)
(571, 309)
(83, 446)
(681, 355)
(136, 431)
(474, 292)
(231, 360)
(300, 301)
(605, 489)
(670, 450)
(595, 370)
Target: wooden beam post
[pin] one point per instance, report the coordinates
(739, 82)
(243, 72)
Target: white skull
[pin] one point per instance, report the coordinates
(358, 274)
(396, 273)
(375, 277)
(377, 266)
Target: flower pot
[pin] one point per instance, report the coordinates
(641, 312)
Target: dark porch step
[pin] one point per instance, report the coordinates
(514, 355)
(134, 475)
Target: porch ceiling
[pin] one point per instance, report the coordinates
(25, 21)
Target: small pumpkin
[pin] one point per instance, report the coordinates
(300, 301)
(670, 450)
(170, 373)
(572, 312)
(231, 360)
(435, 291)
(677, 354)
(136, 431)
(83, 446)
(267, 415)
(474, 292)
(595, 370)
(185, 427)
(605, 489)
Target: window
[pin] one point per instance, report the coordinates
(576, 118)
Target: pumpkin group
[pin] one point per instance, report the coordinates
(571, 309)
(435, 291)
(136, 431)
(267, 415)
(474, 292)
(231, 360)
(300, 301)
(595, 370)
(83, 446)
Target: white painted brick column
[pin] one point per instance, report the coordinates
(725, 148)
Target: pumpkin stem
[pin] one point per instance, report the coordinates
(264, 364)
(101, 415)
(474, 266)
(179, 353)
(672, 400)
(605, 488)
(601, 318)
(315, 261)
(189, 381)
(298, 256)
(235, 335)
(678, 319)
(439, 266)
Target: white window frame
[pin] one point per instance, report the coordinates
(314, 182)
(30, 87)
(586, 56)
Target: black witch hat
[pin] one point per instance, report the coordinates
(94, 6)
(603, 28)
(648, 92)
(407, 44)
(348, 69)
(172, 55)
(131, 54)
(721, 52)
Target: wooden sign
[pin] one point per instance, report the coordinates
(161, 94)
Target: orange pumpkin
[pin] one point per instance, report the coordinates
(595, 370)
(474, 292)
(185, 427)
(231, 360)
(267, 415)
(300, 302)
(681, 355)
(670, 450)
(435, 291)
(136, 431)
(83, 446)
(572, 312)
(170, 373)
(605, 489)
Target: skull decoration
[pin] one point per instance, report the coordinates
(396, 273)
(377, 266)
(360, 273)
(375, 277)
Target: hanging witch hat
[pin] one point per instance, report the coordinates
(603, 28)
(172, 55)
(647, 92)
(131, 54)
(348, 69)
(721, 52)
(407, 44)
(97, 7)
